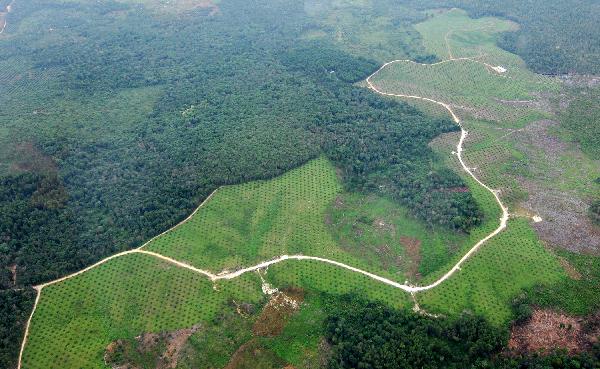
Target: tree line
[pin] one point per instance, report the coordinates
(371, 335)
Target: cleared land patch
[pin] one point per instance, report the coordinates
(549, 330)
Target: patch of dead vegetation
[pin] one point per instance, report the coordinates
(339, 203)
(383, 225)
(578, 80)
(565, 222)
(188, 5)
(244, 309)
(13, 273)
(387, 256)
(476, 113)
(548, 330)
(278, 311)
(413, 251)
(541, 102)
(165, 348)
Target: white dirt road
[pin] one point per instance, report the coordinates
(234, 274)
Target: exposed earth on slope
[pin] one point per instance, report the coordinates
(547, 330)
(277, 312)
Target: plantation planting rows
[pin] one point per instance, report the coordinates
(279, 227)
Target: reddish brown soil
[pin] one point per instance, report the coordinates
(548, 330)
(277, 312)
(413, 251)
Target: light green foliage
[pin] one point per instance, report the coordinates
(296, 213)
(451, 33)
(214, 344)
(136, 293)
(314, 275)
(576, 293)
(299, 342)
(494, 108)
(512, 261)
(469, 86)
(246, 224)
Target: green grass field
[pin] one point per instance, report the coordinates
(469, 87)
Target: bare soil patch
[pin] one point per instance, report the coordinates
(541, 102)
(179, 7)
(387, 256)
(565, 220)
(413, 251)
(383, 225)
(164, 349)
(212, 8)
(549, 330)
(476, 113)
(339, 203)
(277, 312)
(578, 80)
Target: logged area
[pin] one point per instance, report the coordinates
(282, 184)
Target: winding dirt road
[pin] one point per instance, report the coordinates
(234, 274)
